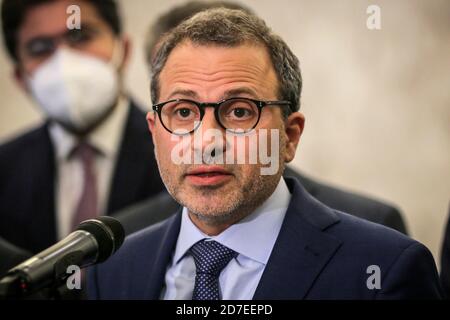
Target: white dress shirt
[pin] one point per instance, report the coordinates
(69, 182)
(252, 238)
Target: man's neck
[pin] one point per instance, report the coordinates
(208, 228)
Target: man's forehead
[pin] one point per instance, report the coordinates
(209, 60)
(214, 66)
(50, 18)
(212, 71)
(244, 51)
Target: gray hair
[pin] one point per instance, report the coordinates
(231, 28)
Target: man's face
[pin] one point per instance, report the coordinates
(49, 21)
(221, 194)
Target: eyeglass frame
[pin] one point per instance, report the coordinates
(260, 104)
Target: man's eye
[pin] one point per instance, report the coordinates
(184, 112)
(40, 47)
(241, 112)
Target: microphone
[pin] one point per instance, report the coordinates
(94, 241)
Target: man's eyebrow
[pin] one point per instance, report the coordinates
(239, 92)
(236, 92)
(185, 93)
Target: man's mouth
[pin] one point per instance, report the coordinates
(208, 175)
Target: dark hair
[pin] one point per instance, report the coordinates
(14, 11)
(231, 28)
(178, 14)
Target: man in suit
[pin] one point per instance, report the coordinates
(226, 87)
(355, 204)
(93, 155)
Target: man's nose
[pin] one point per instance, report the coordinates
(209, 120)
(213, 141)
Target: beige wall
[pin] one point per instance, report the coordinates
(377, 103)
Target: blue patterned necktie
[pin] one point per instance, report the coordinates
(210, 259)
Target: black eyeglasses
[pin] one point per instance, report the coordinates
(237, 115)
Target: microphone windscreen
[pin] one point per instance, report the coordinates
(108, 232)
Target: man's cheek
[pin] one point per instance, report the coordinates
(166, 151)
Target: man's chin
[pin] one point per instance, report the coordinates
(208, 204)
(210, 196)
(212, 216)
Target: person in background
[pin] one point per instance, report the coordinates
(137, 217)
(244, 231)
(93, 154)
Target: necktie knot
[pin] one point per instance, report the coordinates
(210, 259)
(85, 152)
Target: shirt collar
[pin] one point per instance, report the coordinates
(263, 225)
(105, 138)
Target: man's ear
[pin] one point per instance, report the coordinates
(151, 121)
(151, 118)
(294, 125)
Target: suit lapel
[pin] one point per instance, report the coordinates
(162, 256)
(302, 249)
(42, 183)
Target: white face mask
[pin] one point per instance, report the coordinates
(76, 89)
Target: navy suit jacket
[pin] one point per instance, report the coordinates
(320, 253)
(28, 174)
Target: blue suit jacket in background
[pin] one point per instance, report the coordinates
(320, 253)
